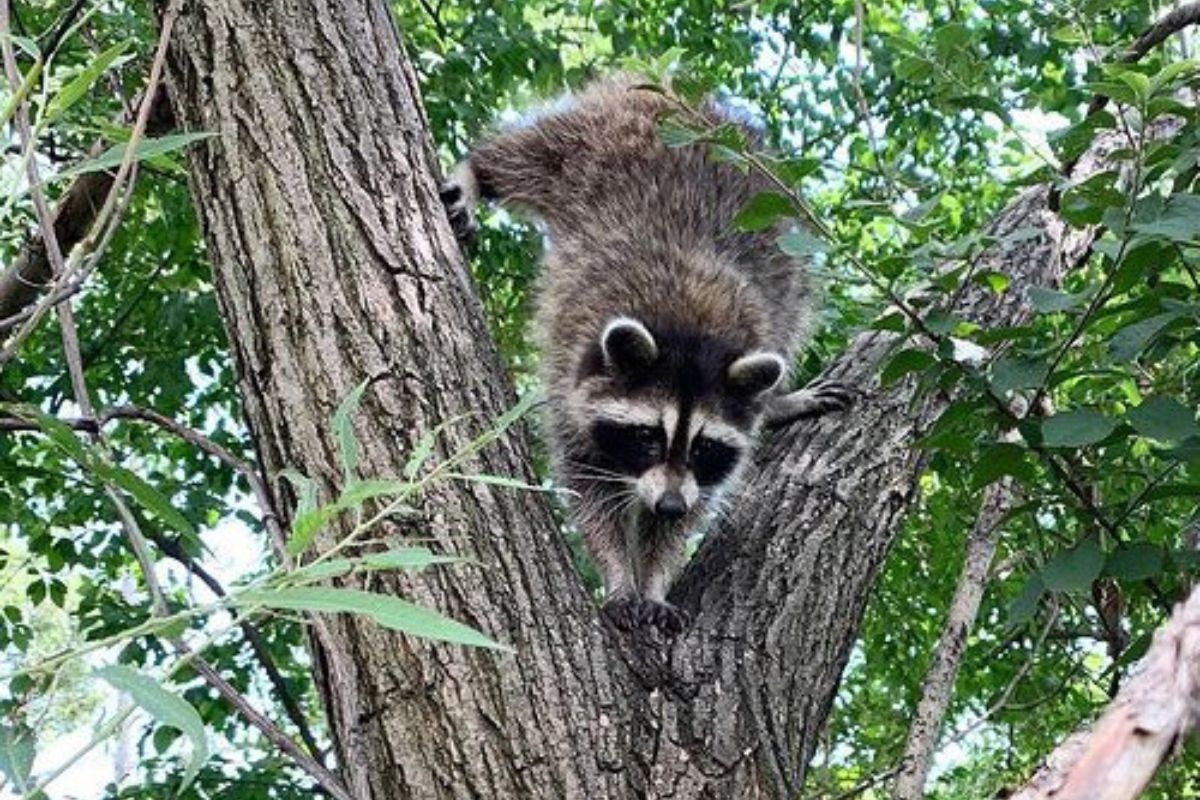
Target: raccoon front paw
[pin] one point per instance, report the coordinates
(622, 611)
(814, 400)
(460, 209)
(829, 395)
(460, 196)
(667, 617)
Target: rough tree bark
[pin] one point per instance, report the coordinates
(333, 262)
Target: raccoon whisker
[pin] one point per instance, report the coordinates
(591, 469)
(617, 504)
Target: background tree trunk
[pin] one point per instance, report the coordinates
(333, 263)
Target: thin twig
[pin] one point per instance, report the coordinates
(258, 487)
(172, 549)
(1173, 22)
(864, 109)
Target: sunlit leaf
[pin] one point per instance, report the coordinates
(166, 707)
(388, 611)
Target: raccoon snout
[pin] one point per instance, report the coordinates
(671, 505)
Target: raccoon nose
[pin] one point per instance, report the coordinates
(670, 505)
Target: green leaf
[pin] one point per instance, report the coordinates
(1076, 428)
(386, 610)
(359, 492)
(940, 322)
(1085, 203)
(1165, 419)
(501, 480)
(146, 148)
(762, 211)
(18, 747)
(1074, 570)
(27, 45)
(1129, 341)
(167, 708)
(1187, 450)
(79, 86)
(1002, 459)
(801, 243)
(1011, 373)
(1136, 562)
(951, 35)
(673, 134)
(421, 452)
(1070, 143)
(1025, 604)
(998, 282)
(1049, 301)
(413, 559)
(148, 497)
(306, 526)
(306, 489)
(914, 69)
(343, 428)
(94, 462)
(1178, 219)
(905, 362)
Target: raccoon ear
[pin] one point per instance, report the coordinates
(627, 344)
(756, 372)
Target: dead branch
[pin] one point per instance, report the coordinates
(1142, 728)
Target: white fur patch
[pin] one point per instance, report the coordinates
(715, 428)
(651, 485)
(670, 421)
(630, 326)
(690, 491)
(747, 369)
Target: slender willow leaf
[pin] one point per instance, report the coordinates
(146, 148)
(79, 86)
(166, 707)
(343, 428)
(94, 462)
(390, 612)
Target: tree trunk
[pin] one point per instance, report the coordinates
(333, 263)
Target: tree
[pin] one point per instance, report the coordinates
(335, 269)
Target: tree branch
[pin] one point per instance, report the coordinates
(938, 688)
(1143, 726)
(30, 274)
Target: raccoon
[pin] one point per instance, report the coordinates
(665, 333)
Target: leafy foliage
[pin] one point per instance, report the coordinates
(905, 145)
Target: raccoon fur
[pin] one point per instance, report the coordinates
(665, 333)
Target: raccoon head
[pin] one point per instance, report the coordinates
(668, 416)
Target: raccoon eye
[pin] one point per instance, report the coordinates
(646, 437)
(632, 449)
(712, 461)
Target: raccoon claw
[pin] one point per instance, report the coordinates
(830, 395)
(668, 618)
(622, 612)
(814, 400)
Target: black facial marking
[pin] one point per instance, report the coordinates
(711, 460)
(629, 449)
